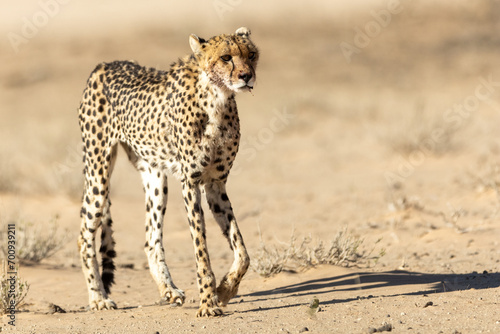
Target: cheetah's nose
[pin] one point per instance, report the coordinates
(245, 77)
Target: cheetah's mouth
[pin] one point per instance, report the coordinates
(243, 87)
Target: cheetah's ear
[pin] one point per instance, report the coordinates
(243, 32)
(195, 43)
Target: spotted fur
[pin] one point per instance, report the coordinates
(183, 121)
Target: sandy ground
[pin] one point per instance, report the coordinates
(381, 118)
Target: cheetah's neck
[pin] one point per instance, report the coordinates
(218, 107)
(219, 96)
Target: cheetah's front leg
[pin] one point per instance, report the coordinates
(220, 205)
(209, 302)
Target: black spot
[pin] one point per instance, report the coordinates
(196, 208)
(95, 191)
(195, 175)
(225, 232)
(217, 208)
(224, 197)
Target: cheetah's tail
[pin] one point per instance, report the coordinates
(107, 254)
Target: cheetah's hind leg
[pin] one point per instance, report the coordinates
(95, 211)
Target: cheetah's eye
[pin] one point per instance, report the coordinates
(226, 58)
(251, 55)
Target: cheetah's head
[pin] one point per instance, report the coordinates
(228, 60)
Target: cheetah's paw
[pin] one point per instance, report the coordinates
(174, 297)
(206, 311)
(210, 308)
(226, 291)
(103, 304)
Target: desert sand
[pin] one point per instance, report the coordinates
(381, 118)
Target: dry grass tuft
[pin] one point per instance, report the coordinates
(343, 250)
(33, 242)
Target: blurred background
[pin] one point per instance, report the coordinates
(361, 112)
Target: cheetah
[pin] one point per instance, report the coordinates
(182, 122)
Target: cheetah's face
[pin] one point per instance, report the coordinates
(228, 60)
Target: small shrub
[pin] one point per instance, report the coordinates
(486, 176)
(13, 290)
(34, 243)
(421, 132)
(343, 250)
